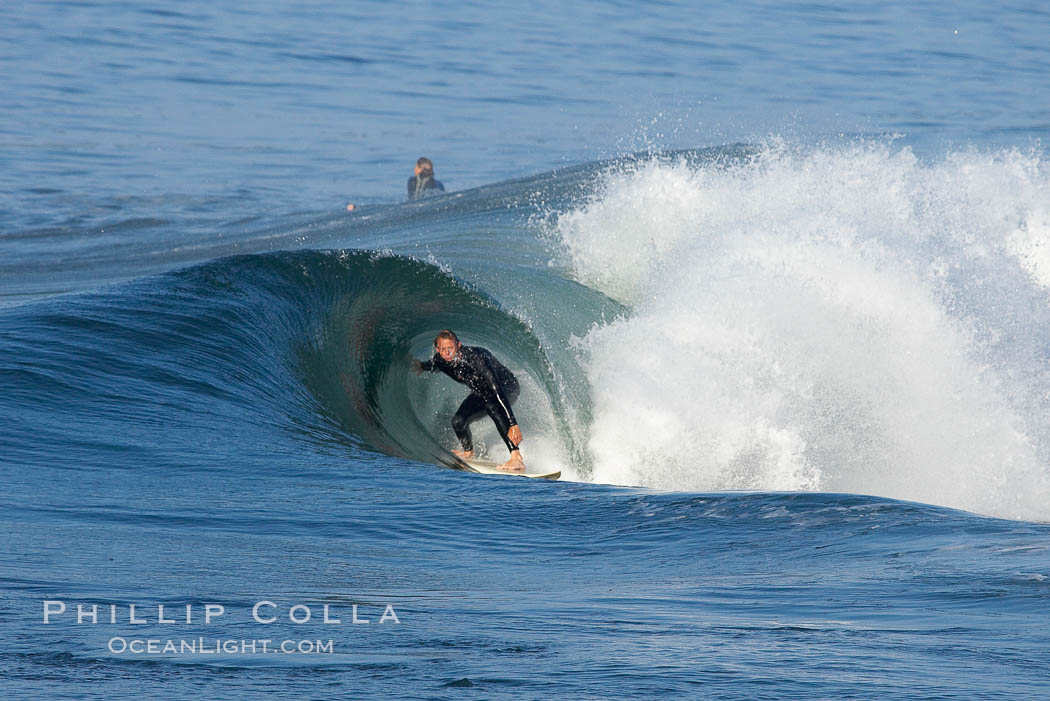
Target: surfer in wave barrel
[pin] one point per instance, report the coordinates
(492, 390)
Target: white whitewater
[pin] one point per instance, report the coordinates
(846, 318)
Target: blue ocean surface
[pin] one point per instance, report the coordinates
(773, 277)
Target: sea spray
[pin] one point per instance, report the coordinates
(846, 318)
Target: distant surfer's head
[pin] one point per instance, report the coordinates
(447, 345)
(424, 167)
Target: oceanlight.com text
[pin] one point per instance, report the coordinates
(218, 646)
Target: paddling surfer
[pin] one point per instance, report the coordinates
(492, 390)
(423, 181)
(421, 184)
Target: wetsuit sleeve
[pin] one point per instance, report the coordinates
(429, 365)
(494, 389)
(411, 188)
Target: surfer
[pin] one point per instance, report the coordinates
(420, 184)
(423, 180)
(492, 390)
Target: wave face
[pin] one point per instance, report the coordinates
(314, 343)
(846, 318)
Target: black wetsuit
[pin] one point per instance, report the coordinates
(492, 390)
(418, 185)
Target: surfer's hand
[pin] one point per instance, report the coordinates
(417, 367)
(514, 434)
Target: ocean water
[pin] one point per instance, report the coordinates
(774, 278)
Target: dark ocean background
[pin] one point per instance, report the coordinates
(774, 278)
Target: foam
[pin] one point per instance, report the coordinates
(841, 319)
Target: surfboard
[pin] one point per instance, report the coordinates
(487, 467)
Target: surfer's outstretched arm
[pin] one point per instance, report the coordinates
(419, 366)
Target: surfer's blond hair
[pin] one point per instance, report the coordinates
(446, 334)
